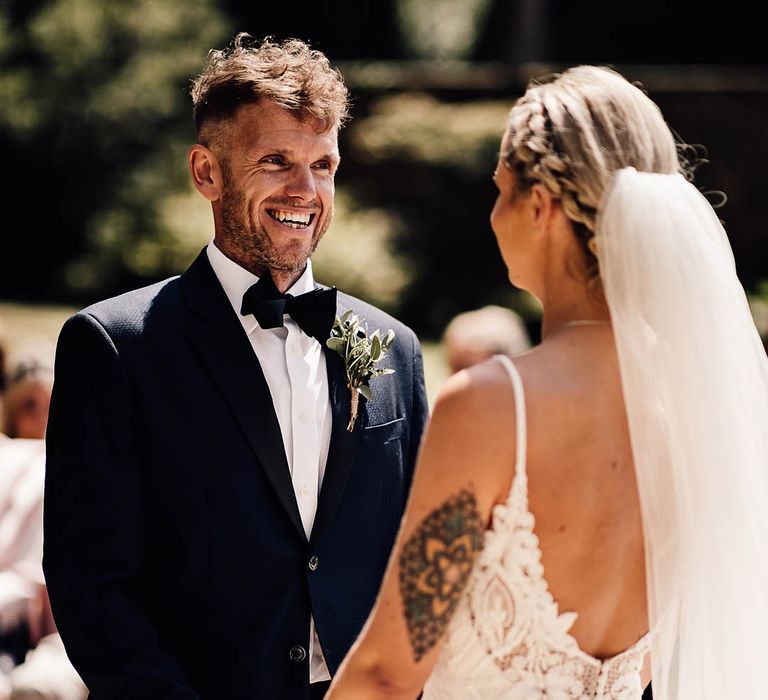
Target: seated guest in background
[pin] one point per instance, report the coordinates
(22, 464)
(474, 336)
(33, 663)
(27, 398)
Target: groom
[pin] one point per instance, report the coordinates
(213, 530)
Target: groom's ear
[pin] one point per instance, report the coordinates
(206, 172)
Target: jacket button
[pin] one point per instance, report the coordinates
(314, 562)
(297, 654)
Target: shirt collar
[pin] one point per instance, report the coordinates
(235, 280)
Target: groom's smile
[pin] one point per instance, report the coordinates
(292, 219)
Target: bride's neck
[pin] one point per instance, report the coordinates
(565, 294)
(569, 310)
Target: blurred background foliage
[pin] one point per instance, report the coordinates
(95, 120)
(94, 115)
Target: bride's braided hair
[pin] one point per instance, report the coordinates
(572, 133)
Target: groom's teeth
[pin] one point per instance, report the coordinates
(290, 218)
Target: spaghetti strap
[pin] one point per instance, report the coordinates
(520, 422)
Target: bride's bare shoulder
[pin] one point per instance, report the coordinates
(472, 429)
(482, 398)
(484, 393)
(479, 392)
(474, 418)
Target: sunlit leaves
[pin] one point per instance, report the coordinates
(419, 128)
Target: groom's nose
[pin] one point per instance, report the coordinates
(301, 183)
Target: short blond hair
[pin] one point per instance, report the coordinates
(290, 74)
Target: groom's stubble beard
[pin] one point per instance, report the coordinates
(248, 243)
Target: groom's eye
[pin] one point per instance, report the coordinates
(274, 159)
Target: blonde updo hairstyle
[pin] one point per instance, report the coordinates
(573, 132)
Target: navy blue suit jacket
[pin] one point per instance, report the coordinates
(174, 553)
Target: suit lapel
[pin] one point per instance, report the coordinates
(224, 349)
(343, 445)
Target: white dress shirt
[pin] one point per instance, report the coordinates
(295, 370)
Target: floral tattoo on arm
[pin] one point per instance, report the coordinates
(435, 565)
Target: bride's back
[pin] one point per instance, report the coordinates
(581, 487)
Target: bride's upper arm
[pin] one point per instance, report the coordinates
(469, 444)
(465, 462)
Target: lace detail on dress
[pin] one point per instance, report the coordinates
(507, 639)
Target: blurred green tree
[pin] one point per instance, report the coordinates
(95, 116)
(428, 162)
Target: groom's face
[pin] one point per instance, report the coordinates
(278, 186)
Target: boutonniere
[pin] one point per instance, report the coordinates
(360, 353)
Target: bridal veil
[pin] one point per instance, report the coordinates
(695, 380)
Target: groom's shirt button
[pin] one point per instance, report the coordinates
(297, 654)
(303, 492)
(314, 562)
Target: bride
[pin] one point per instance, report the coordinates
(596, 512)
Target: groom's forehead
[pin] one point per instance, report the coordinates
(268, 124)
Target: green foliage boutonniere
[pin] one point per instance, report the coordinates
(360, 353)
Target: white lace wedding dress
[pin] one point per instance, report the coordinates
(507, 639)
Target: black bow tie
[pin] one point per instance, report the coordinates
(314, 311)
